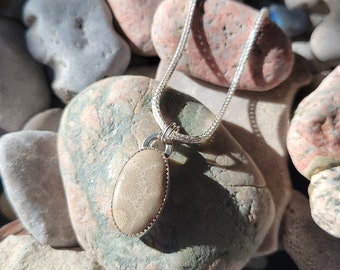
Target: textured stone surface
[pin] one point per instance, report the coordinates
(46, 120)
(31, 178)
(22, 81)
(259, 121)
(220, 29)
(5, 208)
(135, 18)
(310, 247)
(313, 138)
(77, 40)
(217, 204)
(326, 36)
(140, 191)
(324, 198)
(23, 252)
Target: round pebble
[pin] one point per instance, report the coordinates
(77, 42)
(31, 178)
(210, 185)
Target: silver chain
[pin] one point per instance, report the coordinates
(174, 135)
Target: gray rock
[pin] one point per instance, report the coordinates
(218, 205)
(46, 120)
(31, 178)
(24, 252)
(23, 86)
(77, 40)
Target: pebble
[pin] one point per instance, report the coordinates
(293, 22)
(23, 86)
(221, 29)
(31, 179)
(135, 18)
(211, 185)
(5, 208)
(310, 247)
(313, 138)
(77, 42)
(46, 120)
(24, 252)
(326, 36)
(259, 121)
(324, 197)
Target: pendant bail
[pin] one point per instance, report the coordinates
(168, 131)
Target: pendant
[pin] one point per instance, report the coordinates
(141, 190)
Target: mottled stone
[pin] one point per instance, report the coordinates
(310, 247)
(220, 29)
(14, 227)
(324, 199)
(218, 204)
(325, 38)
(77, 42)
(31, 178)
(260, 122)
(140, 191)
(46, 120)
(313, 139)
(135, 19)
(24, 252)
(5, 208)
(23, 86)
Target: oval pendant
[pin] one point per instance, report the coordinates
(140, 191)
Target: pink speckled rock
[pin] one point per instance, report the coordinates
(135, 18)
(219, 31)
(313, 138)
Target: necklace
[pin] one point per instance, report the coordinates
(155, 178)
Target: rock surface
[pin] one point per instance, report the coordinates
(77, 42)
(217, 204)
(31, 178)
(259, 121)
(23, 252)
(313, 139)
(220, 29)
(324, 198)
(22, 81)
(310, 247)
(46, 120)
(135, 19)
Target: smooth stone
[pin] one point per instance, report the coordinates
(310, 247)
(79, 42)
(293, 22)
(218, 204)
(326, 36)
(314, 134)
(31, 179)
(259, 121)
(24, 252)
(46, 120)
(11, 9)
(23, 86)
(135, 19)
(140, 191)
(324, 199)
(5, 208)
(14, 227)
(221, 29)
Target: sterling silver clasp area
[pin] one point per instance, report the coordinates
(164, 137)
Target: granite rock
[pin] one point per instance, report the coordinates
(77, 40)
(324, 198)
(310, 247)
(217, 205)
(24, 252)
(46, 120)
(135, 19)
(259, 121)
(220, 29)
(31, 178)
(23, 86)
(313, 139)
